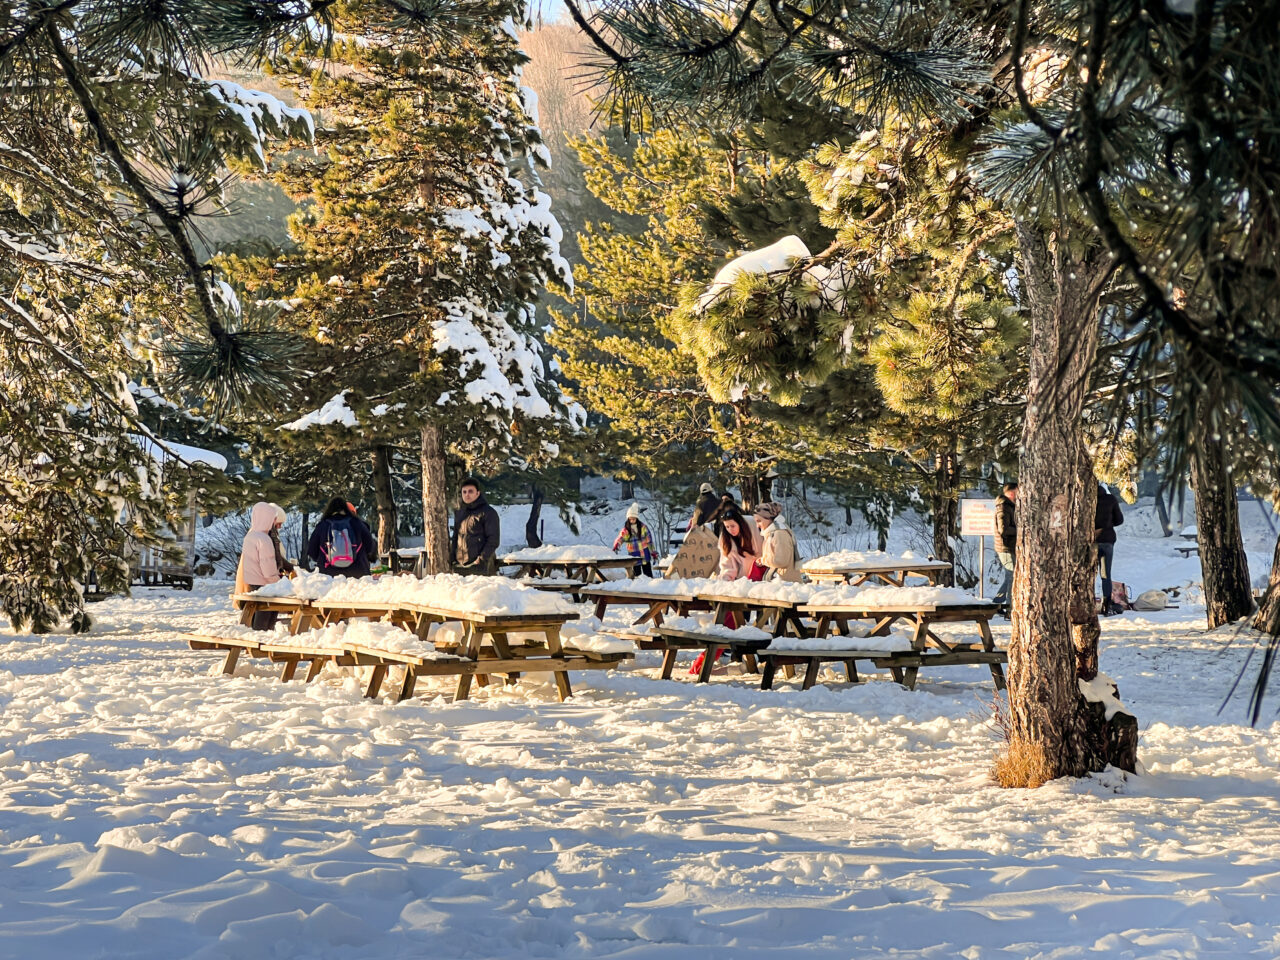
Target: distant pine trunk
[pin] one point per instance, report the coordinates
(384, 496)
(946, 490)
(435, 501)
(1228, 594)
(1268, 618)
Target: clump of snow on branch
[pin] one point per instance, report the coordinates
(262, 114)
(335, 411)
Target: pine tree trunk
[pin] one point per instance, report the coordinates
(749, 491)
(946, 484)
(1163, 512)
(531, 525)
(1268, 618)
(628, 489)
(435, 501)
(306, 539)
(384, 496)
(1228, 595)
(1055, 627)
(765, 485)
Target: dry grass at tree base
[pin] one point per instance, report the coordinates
(1022, 764)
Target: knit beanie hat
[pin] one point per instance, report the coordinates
(769, 511)
(633, 511)
(705, 488)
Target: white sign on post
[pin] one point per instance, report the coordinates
(978, 519)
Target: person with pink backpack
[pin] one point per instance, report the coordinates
(341, 544)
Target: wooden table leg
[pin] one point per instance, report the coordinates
(997, 677)
(562, 685)
(464, 688)
(766, 678)
(668, 662)
(897, 674)
(851, 671)
(909, 677)
(229, 664)
(602, 604)
(708, 661)
(811, 673)
(317, 664)
(749, 662)
(246, 614)
(290, 668)
(375, 681)
(407, 685)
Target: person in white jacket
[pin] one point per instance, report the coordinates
(778, 552)
(258, 558)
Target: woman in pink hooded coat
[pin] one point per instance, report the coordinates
(258, 558)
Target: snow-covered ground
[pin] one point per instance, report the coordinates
(151, 808)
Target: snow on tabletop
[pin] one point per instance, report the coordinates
(716, 629)
(1102, 689)
(448, 591)
(761, 590)
(571, 554)
(891, 598)
(305, 585)
(841, 559)
(661, 586)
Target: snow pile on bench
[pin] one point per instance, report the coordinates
(234, 631)
(585, 635)
(363, 633)
(894, 642)
(852, 558)
(694, 625)
(447, 591)
(574, 553)
(892, 598)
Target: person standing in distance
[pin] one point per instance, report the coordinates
(708, 503)
(1106, 518)
(476, 531)
(1006, 542)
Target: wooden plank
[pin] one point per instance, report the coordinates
(229, 664)
(375, 681)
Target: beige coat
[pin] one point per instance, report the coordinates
(258, 554)
(779, 552)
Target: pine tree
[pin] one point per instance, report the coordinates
(422, 244)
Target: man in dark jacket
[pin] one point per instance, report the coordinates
(474, 546)
(707, 505)
(1106, 517)
(1006, 542)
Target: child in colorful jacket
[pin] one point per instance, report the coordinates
(635, 535)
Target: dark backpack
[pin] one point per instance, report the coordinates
(341, 550)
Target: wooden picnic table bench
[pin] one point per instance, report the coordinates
(903, 665)
(671, 640)
(302, 614)
(233, 647)
(836, 617)
(891, 572)
(588, 571)
(782, 617)
(656, 604)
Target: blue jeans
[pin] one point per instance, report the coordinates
(1106, 553)
(1005, 595)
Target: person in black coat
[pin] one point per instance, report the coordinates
(1106, 517)
(341, 544)
(706, 506)
(1006, 542)
(476, 531)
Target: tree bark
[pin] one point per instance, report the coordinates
(384, 497)
(435, 501)
(749, 491)
(306, 539)
(628, 489)
(1228, 593)
(535, 508)
(946, 485)
(1055, 626)
(1163, 512)
(1268, 618)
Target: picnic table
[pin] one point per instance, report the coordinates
(905, 665)
(656, 603)
(302, 613)
(584, 570)
(892, 571)
(777, 615)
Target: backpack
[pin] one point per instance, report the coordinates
(340, 552)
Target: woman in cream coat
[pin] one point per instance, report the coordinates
(778, 553)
